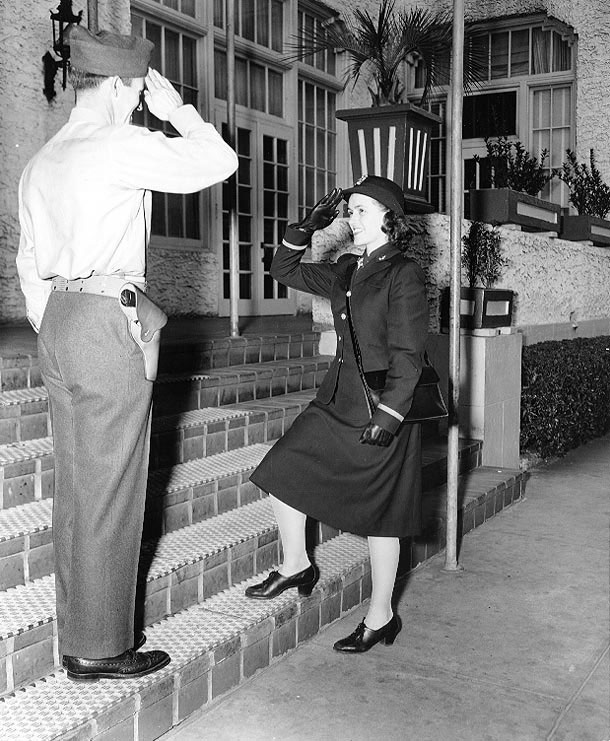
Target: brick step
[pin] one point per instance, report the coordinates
(220, 642)
(179, 496)
(186, 356)
(214, 646)
(26, 468)
(178, 570)
(183, 355)
(24, 412)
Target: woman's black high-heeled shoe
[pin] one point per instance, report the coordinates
(275, 584)
(363, 638)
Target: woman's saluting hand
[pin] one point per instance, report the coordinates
(322, 214)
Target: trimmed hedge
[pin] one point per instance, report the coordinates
(565, 397)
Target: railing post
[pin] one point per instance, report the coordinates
(456, 213)
(232, 141)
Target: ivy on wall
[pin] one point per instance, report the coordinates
(565, 398)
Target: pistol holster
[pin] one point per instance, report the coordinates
(145, 323)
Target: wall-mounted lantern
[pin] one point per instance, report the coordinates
(60, 20)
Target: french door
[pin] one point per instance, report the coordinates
(264, 185)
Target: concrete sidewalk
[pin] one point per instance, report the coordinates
(513, 648)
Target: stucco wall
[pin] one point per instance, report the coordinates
(27, 119)
(556, 282)
(183, 282)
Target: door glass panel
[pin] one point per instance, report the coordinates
(244, 219)
(275, 209)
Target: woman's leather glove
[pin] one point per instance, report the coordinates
(375, 435)
(322, 214)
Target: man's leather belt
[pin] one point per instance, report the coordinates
(102, 285)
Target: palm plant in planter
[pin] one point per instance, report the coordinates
(590, 196)
(517, 178)
(482, 306)
(392, 137)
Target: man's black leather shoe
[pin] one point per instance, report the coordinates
(139, 642)
(275, 584)
(124, 666)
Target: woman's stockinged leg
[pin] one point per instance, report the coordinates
(291, 523)
(384, 565)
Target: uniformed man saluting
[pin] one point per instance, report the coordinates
(84, 204)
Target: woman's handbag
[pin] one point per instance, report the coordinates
(428, 403)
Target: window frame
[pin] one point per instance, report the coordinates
(195, 28)
(523, 85)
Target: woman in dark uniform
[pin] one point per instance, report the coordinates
(336, 463)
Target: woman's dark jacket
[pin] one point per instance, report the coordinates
(389, 312)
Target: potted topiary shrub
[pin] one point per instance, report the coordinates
(590, 196)
(517, 178)
(392, 137)
(481, 305)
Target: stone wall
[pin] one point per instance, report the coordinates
(562, 286)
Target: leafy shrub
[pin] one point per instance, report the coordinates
(512, 166)
(565, 397)
(482, 255)
(589, 194)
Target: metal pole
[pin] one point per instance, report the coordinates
(92, 18)
(232, 139)
(456, 212)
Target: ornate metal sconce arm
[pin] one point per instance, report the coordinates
(60, 19)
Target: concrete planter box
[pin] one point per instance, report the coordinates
(480, 308)
(586, 228)
(507, 206)
(392, 142)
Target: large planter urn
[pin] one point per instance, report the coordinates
(507, 206)
(480, 308)
(586, 228)
(392, 142)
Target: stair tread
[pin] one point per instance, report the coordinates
(35, 516)
(24, 395)
(32, 517)
(244, 368)
(24, 606)
(33, 604)
(25, 450)
(54, 705)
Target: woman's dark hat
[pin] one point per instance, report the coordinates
(109, 54)
(381, 189)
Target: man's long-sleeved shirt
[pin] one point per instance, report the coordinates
(85, 201)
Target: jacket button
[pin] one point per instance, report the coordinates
(344, 316)
(339, 338)
(348, 294)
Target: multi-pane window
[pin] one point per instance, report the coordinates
(257, 85)
(525, 93)
(245, 215)
(175, 56)
(317, 142)
(182, 6)
(260, 21)
(312, 27)
(524, 51)
(437, 163)
(275, 208)
(551, 117)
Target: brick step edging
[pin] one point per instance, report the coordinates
(177, 497)
(214, 647)
(180, 578)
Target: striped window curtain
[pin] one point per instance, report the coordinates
(541, 51)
